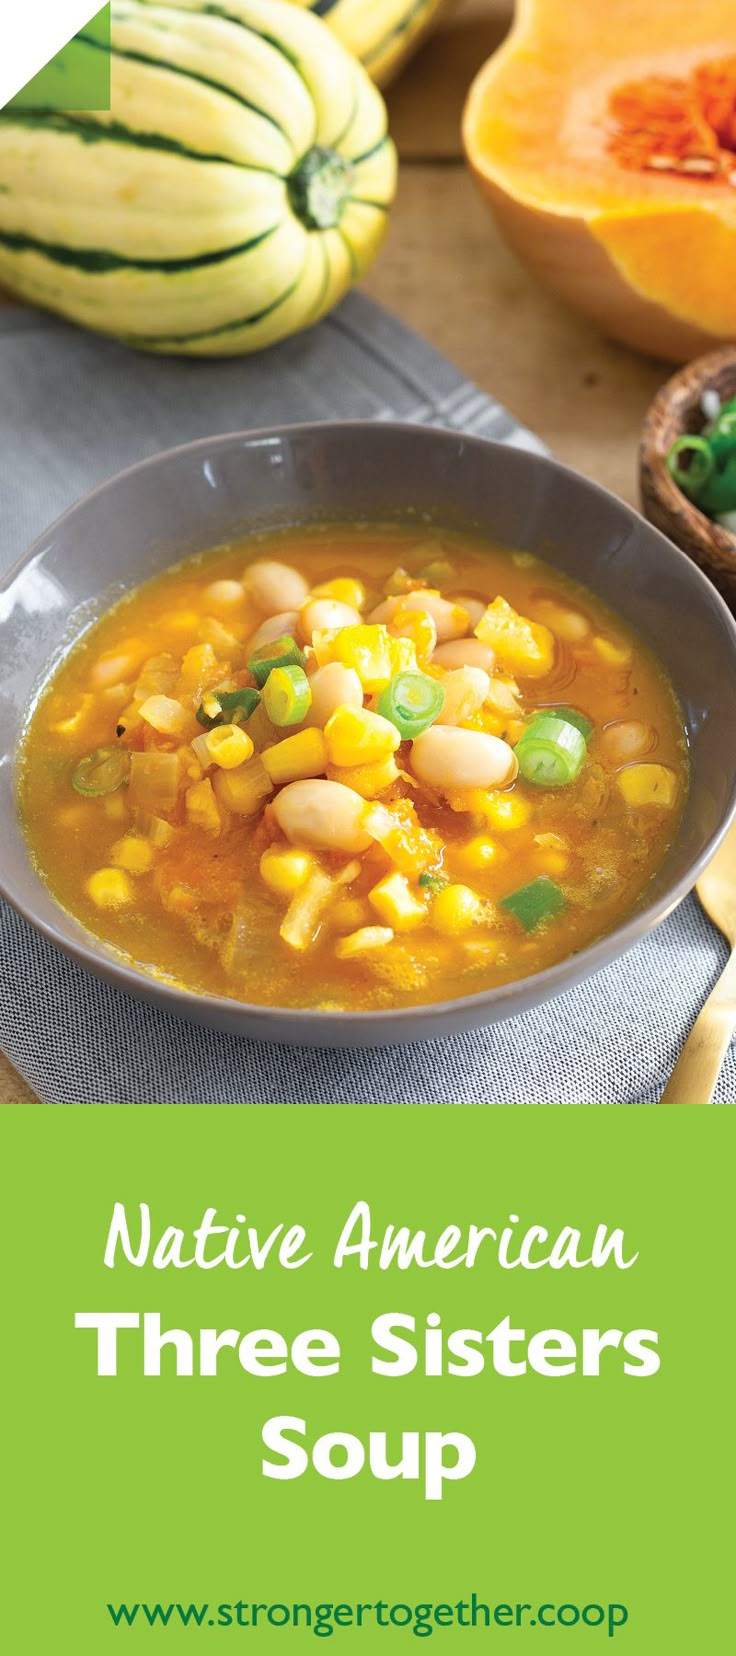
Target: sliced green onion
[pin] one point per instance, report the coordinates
(286, 695)
(551, 752)
(690, 462)
(412, 701)
(534, 902)
(571, 716)
(102, 771)
(281, 652)
(237, 704)
(433, 882)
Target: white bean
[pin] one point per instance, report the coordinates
(333, 686)
(465, 652)
(476, 607)
(569, 624)
(451, 620)
(275, 627)
(324, 816)
(222, 594)
(627, 739)
(272, 586)
(320, 613)
(465, 692)
(447, 758)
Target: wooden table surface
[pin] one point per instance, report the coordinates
(445, 270)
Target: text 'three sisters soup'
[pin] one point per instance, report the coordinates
(353, 767)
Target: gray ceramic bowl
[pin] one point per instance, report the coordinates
(198, 495)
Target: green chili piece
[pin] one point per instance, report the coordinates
(535, 902)
(237, 704)
(433, 882)
(690, 463)
(102, 772)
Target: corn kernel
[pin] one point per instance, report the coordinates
(403, 655)
(344, 589)
(285, 868)
(354, 736)
(522, 646)
(135, 855)
(480, 853)
(502, 810)
(648, 785)
(115, 807)
(297, 757)
(229, 746)
(110, 888)
(613, 653)
(359, 942)
(551, 862)
(201, 806)
(456, 909)
(164, 714)
(368, 780)
(395, 902)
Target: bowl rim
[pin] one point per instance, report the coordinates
(100, 960)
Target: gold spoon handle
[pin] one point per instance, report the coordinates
(693, 1079)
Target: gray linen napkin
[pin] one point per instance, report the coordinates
(73, 410)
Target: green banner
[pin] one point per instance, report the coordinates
(369, 1375)
(78, 77)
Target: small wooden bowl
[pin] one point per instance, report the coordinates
(676, 412)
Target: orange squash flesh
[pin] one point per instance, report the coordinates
(604, 138)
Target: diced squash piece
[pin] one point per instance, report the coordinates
(297, 757)
(223, 641)
(396, 829)
(359, 942)
(110, 888)
(302, 921)
(134, 854)
(416, 627)
(245, 790)
(395, 902)
(154, 780)
(228, 746)
(199, 668)
(344, 589)
(370, 781)
(350, 914)
(456, 909)
(201, 807)
(164, 714)
(284, 868)
(354, 736)
(521, 646)
(366, 648)
(648, 785)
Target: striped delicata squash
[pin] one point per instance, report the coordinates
(236, 188)
(382, 33)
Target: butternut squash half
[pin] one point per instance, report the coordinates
(604, 138)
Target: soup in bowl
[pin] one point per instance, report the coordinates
(358, 734)
(354, 768)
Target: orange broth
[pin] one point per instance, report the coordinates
(193, 908)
